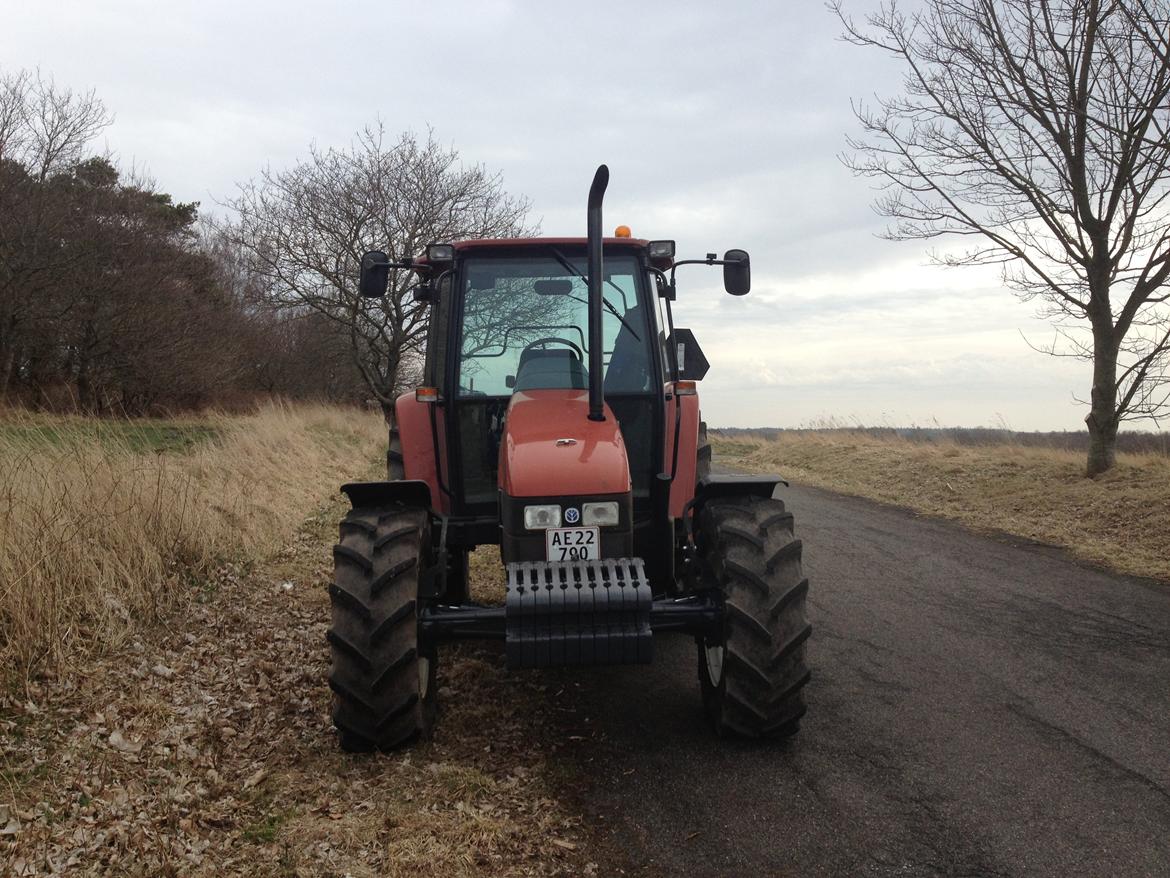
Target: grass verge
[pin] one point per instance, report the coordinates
(1118, 521)
(103, 524)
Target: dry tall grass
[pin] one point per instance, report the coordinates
(1120, 520)
(102, 528)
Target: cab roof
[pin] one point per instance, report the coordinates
(476, 243)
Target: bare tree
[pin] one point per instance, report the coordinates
(113, 300)
(44, 132)
(305, 229)
(1040, 129)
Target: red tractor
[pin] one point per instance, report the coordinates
(560, 421)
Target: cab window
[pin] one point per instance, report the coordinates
(526, 326)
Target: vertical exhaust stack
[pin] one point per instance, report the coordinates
(596, 275)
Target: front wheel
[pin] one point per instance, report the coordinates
(383, 677)
(753, 673)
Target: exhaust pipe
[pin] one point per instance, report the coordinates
(596, 275)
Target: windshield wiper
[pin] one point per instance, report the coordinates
(609, 305)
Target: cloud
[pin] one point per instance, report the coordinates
(721, 129)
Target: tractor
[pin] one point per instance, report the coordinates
(560, 421)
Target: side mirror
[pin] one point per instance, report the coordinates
(375, 275)
(737, 272)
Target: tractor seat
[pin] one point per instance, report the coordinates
(550, 370)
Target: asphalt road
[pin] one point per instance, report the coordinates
(977, 707)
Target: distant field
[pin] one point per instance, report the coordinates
(1131, 442)
(106, 525)
(1024, 488)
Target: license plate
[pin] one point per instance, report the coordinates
(572, 543)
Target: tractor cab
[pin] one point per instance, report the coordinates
(559, 420)
(519, 367)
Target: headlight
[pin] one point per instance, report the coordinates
(601, 514)
(542, 517)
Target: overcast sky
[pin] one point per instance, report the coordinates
(721, 127)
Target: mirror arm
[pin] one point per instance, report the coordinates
(409, 263)
(405, 263)
(710, 260)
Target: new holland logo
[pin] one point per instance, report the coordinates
(572, 515)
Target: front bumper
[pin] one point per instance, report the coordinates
(576, 613)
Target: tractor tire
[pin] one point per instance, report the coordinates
(703, 452)
(395, 463)
(383, 677)
(752, 676)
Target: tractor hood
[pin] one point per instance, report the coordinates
(551, 448)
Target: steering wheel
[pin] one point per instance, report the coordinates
(552, 339)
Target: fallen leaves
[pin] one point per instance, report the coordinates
(256, 779)
(120, 743)
(209, 751)
(9, 824)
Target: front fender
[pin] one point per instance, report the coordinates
(408, 492)
(735, 485)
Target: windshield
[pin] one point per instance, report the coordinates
(526, 326)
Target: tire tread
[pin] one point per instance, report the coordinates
(766, 630)
(373, 638)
